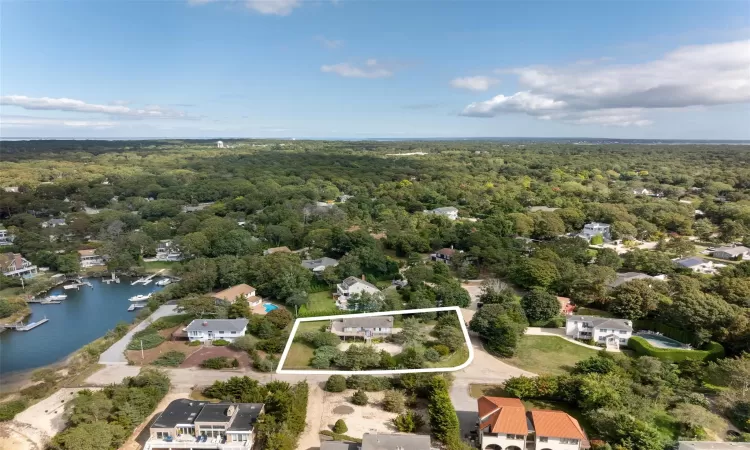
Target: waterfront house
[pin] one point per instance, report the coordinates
(339, 445)
(609, 332)
(15, 265)
(242, 291)
(596, 229)
(351, 286)
(191, 424)
(364, 327)
(5, 237)
(699, 265)
(735, 252)
(209, 329)
(319, 265)
(52, 223)
(447, 211)
(89, 258)
(167, 250)
(272, 250)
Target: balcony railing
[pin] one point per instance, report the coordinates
(191, 443)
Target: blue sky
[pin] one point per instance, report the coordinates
(355, 69)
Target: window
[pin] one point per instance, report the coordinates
(234, 332)
(603, 330)
(162, 434)
(543, 439)
(515, 436)
(568, 441)
(622, 332)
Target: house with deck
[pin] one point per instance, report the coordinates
(732, 253)
(89, 258)
(241, 291)
(351, 286)
(15, 265)
(699, 265)
(447, 211)
(167, 250)
(364, 327)
(610, 332)
(596, 229)
(504, 424)
(5, 237)
(191, 424)
(206, 330)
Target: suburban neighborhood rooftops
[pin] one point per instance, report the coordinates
(322, 262)
(351, 281)
(179, 411)
(628, 276)
(556, 424)
(690, 262)
(217, 325)
(604, 322)
(7, 258)
(734, 251)
(395, 442)
(502, 415)
(368, 322)
(233, 292)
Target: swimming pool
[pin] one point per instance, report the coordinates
(269, 307)
(660, 341)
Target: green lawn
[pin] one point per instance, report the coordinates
(583, 311)
(452, 360)
(298, 357)
(320, 301)
(310, 326)
(548, 355)
(155, 266)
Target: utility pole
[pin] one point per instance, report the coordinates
(142, 357)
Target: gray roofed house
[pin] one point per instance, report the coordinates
(733, 252)
(338, 445)
(319, 265)
(690, 262)
(179, 411)
(447, 211)
(395, 442)
(53, 223)
(699, 265)
(628, 276)
(351, 286)
(362, 326)
(210, 329)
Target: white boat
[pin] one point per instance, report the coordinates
(140, 298)
(163, 282)
(135, 306)
(57, 297)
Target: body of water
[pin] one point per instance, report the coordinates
(86, 315)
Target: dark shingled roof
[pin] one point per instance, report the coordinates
(179, 411)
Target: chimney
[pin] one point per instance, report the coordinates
(363, 277)
(451, 246)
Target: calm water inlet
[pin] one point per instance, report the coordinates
(87, 314)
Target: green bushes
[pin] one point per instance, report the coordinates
(8, 410)
(145, 339)
(642, 347)
(336, 383)
(442, 350)
(409, 422)
(368, 383)
(170, 359)
(394, 401)
(360, 398)
(340, 427)
(165, 322)
(220, 342)
(220, 362)
(244, 343)
(195, 343)
(340, 437)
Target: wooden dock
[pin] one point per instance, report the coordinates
(19, 326)
(146, 280)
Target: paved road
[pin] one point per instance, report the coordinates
(116, 353)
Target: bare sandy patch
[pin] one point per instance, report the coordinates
(393, 349)
(363, 419)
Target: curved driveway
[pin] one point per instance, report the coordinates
(116, 353)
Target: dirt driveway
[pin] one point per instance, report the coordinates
(206, 352)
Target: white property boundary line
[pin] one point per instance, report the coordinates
(456, 309)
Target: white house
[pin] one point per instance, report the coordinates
(5, 237)
(447, 211)
(351, 286)
(366, 327)
(219, 144)
(209, 329)
(15, 265)
(167, 250)
(596, 228)
(607, 331)
(504, 424)
(89, 258)
(699, 265)
(735, 252)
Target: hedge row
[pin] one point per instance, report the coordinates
(642, 347)
(303, 312)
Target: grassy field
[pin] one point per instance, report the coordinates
(310, 326)
(452, 360)
(548, 355)
(298, 357)
(583, 311)
(155, 266)
(320, 301)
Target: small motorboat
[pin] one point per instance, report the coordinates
(140, 298)
(135, 306)
(56, 297)
(164, 282)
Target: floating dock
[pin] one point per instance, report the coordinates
(78, 285)
(19, 326)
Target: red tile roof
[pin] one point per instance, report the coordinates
(556, 424)
(446, 251)
(502, 415)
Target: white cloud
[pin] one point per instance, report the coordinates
(269, 7)
(330, 44)
(371, 69)
(28, 122)
(477, 83)
(72, 105)
(619, 94)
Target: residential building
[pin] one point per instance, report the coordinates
(504, 424)
(557, 430)
(444, 254)
(52, 223)
(351, 286)
(596, 229)
(219, 144)
(610, 332)
(448, 211)
(11, 189)
(735, 252)
(642, 191)
(699, 265)
(243, 291)
(629, 276)
(343, 198)
(710, 445)
(273, 250)
(190, 424)
(89, 258)
(379, 441)
(167, 250)
(338, 445)
(209, 329)
(319, 265)
(15, 265)
(364, 327)
(542, 209)
(5, 237)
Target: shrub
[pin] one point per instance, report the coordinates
(408, 422)
(272, 345)
(280, 318)
(521, 387)
(321, 339)
(163, 323)
(219, 362)
(393, 401)
(387, 361)
(267, 364)
(595, 364)
(739, 413)
(170, 359)
(38, 391)
(220, 342)
(244, 343)
(642, 347)
(8, 410)
(360, 398)
(432, 355)
(323, 356)
(340, 427)
(194, 343)
(150, 339)
(368, 383)
(443, 350)
(336, 383)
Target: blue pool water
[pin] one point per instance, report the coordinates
(269, 307)
(660, 341)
